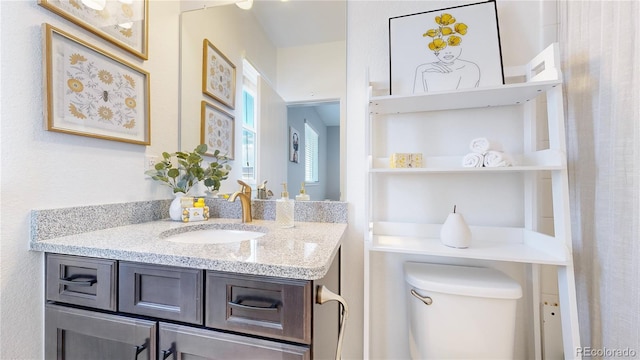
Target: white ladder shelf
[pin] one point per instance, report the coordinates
(519, 244)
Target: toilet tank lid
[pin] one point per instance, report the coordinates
(462, 280)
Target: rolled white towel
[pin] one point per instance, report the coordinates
(473, 160)
(495, 158)
(482, 145)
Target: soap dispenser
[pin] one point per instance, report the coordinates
(284, 209)
(455, 232)
(303, 196)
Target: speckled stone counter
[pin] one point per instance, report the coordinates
(302, 252)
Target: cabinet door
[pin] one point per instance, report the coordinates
(80, 334)
(161, 291)
(273, 307)
(184, 342)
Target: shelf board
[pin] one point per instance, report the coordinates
(537, 161)
(489, 243)
(512, 94)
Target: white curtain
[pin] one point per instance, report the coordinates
(600, 44)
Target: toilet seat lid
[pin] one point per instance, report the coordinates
(462, 280)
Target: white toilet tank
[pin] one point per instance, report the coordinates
(460, 312)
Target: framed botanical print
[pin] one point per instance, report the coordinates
(122, 22)
(217, 130)
(445, 50)
(90, 92)
(218, 75)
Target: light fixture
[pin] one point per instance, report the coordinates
(127, 25)
(245, 4)
(95, 4)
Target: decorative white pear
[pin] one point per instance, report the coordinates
(455, 232)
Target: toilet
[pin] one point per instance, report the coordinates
(460, 312)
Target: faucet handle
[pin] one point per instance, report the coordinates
(243, 184)
(244, 187)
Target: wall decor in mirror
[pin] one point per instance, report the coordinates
(217, 130)
(91, 93)
(124, 23)
(294, 144)
(218, 75)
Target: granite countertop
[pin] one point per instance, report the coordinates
(302, 252)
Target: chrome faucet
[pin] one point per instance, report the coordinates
(245, 200)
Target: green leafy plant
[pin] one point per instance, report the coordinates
(216, 172)
(180, 170)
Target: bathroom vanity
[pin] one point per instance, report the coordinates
(129, 292)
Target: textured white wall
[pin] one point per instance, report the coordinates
(42, 169)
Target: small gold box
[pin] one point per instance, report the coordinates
(405, 160)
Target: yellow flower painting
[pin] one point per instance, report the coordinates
(444, 35)
(101, 94)
(93, 93)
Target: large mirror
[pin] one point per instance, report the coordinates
(290, 64)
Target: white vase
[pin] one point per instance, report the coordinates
(175, 209)
(455, 232)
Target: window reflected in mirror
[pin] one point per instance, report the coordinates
(249, 123)
(311, 156)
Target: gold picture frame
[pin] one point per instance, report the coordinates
(217, 130)
(218, 75)
(90, 92)
(123, 23)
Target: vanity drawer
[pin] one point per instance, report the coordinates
(161, 291)
(81, 281)
(273, 307)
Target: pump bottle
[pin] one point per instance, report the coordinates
(303, 196)
(284, 209)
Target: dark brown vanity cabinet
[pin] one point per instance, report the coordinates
(164, 312)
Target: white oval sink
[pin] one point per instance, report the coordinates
(214, 236)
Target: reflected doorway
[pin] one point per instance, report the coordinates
(317, 162)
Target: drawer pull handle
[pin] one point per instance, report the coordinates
(141, 348)
(79, 280)
(239, 304)
(167, 353)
